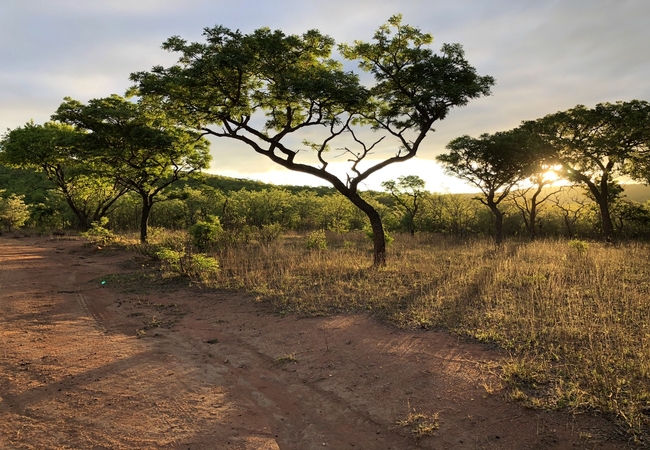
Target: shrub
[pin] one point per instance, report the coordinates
(370, 235)
(205, 234)
(170, 258)
(317, 240)
(197, 266)
(98, 232)
(269, 233)
(579, 245)
(202, 267)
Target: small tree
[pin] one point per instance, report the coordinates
(270, 91)
(13, 211)
(572, 205)
(530, 199)
(494, 164)
(407, 192)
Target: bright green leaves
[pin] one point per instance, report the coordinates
(59, 151)
(39, 146)
(143, 150)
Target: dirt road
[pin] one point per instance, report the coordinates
(86, 365)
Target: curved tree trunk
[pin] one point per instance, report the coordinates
(378, 237)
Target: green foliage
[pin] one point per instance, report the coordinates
(195, 266)
(171, 258)
(141, 148)
(60, 152)
(203, 267)
(268, 233)
(407, 192)
(494, 164)
(317, 240)
(592, 146)
(370, 235)
(578, 245)
(28, 182)
(98, 231)
(290, 83)
(205, 234)
(13, 211)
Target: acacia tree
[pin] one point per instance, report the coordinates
(270, 91)
(137, 144)
(594, 146)
(56, 149)
(407, 192)
(494, 163)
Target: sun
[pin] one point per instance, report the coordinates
(551, 176)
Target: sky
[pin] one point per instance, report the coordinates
(546, 56)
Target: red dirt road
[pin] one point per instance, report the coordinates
(121, 366)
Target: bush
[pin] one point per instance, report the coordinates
(370, 235)
(13, 211)
(205, 234)
(202, 267)
(197, 266)
(579, 245)
(99, 233)
(317, 240)
(269, 233)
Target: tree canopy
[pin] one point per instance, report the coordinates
(270, 91)
(407, 191)
(139, 147)
(56, 149)
(593, 146)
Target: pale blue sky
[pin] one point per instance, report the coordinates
(546, 56)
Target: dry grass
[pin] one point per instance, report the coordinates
(575, 319)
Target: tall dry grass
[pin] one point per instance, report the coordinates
(574, 317)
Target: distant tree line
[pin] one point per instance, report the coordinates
(245, 207)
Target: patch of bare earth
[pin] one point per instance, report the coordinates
(91, 366)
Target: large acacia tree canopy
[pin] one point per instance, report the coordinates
(296, 83)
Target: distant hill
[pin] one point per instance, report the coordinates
(637, 192)
(228, 184)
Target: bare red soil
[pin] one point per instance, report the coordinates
(86, 365)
